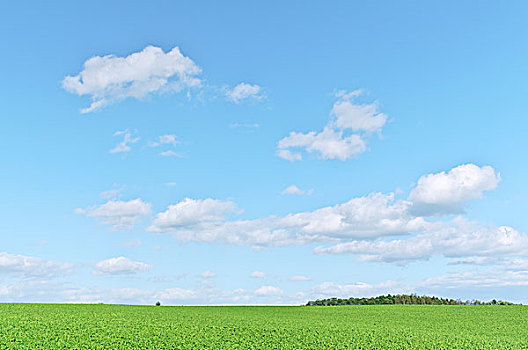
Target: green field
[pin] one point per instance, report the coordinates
(47, 326)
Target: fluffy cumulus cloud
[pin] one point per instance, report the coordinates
(120, 215)
(23, 266)
(457, 239)
(328, 144)
(190, 212)
(244, 91)
(370, 216)
(377, 227)
(119, 266)
(343, 137)
(106, 79)
(356, 117)
(447, 191)
(269, 291)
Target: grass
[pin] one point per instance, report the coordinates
(48, 326)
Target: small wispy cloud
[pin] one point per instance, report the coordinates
(257, 274)
(300, 278)
(120, 215)
(128, 139)
(292, 189)
(167, 139)
(111, 194)
(244, 126)
(208, 274)
(170, 153)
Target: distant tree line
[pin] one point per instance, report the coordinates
(402, 299)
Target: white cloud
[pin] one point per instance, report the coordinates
(124, 146)
(498, 277)
(59, 292)
(474, 260)
(111, 78)
(401, 251)
(300, 278)
(176, 294)
(120, 215)
(170, 153)
(357, 117)
(356, 289)
(269, 291)
(109, 194)
(119, 266)
(371, 216)
(167, 139)
(461, 240)
(171, 184)
(244, 125)
(51, 291)
(55, 292)
(328, 144)
(364, 226)
(362, 217)
(335, 141)
(292, 189)
(447, 191)
(208, 274)
(244, 91)
(257, 274)
(458, 239)
(191, 211)
(31, 267)
(288, 155)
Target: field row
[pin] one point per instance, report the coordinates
(37, 326)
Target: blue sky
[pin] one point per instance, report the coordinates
(262, 153)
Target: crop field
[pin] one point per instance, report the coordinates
(48, 326)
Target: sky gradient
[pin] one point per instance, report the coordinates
(262, 153)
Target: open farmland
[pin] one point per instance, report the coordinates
(47, 326)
